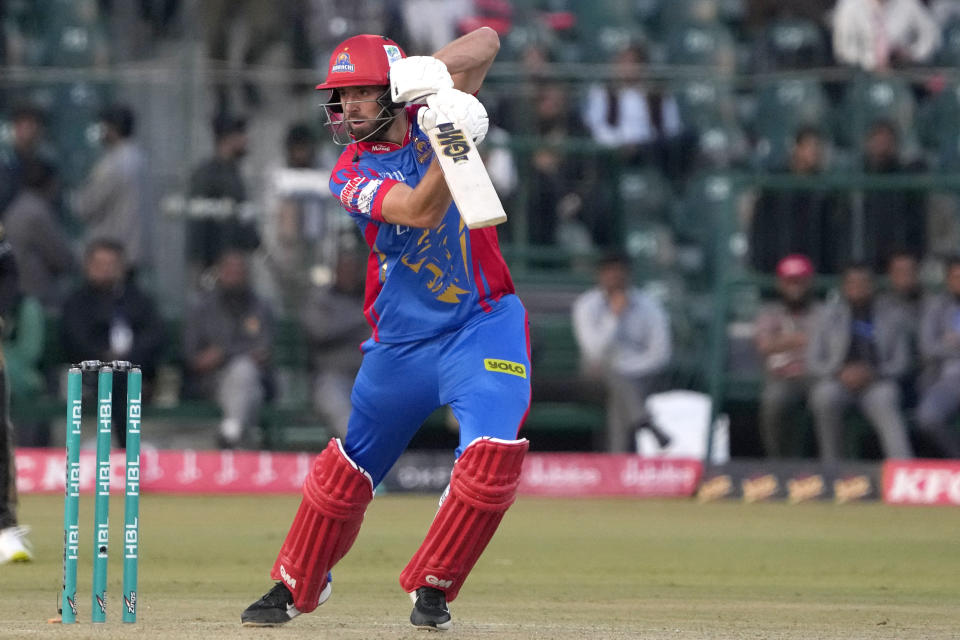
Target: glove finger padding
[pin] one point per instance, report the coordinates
(414, 77)
(452, 105)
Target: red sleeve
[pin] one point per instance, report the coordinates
(359, 188)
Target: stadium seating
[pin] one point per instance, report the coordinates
(871, 98)
(783, 106)
(942, 126)
(703, 45)
(794, 44)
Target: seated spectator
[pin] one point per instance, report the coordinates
(333, 322)
(111, 203)
(624, 340)
(905, 296)
(39, 242)
(895, 221)
(857, 352)
(228, 339)
(796, 220)
(782, 331)
(641, 122)
(940, 345)
(220, 216)
(879, 34)
(109, 318)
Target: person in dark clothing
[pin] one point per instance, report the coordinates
(227, 348)
(109, 318)
(894, 220)
(27, 126)
(796, 221)
(215, 184)
(13, 542)
(39, 241)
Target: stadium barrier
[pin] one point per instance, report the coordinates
(188, 471)
(914, 482)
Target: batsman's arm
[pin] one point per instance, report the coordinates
(422, 206)
(469, 57)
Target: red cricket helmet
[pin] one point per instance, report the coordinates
(361, 61)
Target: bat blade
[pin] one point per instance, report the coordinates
(466, 176)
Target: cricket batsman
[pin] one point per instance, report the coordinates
(447, 330)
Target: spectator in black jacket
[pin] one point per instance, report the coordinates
(220, 213)
(109, 318)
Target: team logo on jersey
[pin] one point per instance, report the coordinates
(350, 190)
(432, 256)
(342, 63)
(505, 366)
(423, 149)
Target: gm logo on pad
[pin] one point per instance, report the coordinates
(505, 366)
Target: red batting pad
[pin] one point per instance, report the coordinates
(482, 487)
(335, 495)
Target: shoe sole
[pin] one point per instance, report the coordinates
(444, 626)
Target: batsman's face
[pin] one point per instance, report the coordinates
(361, 109)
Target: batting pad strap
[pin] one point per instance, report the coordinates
(482, 487)
(336, 493)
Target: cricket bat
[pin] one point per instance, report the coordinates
(466, 177)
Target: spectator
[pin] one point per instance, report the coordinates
(857, 352)
(39, 242)
(111, 203)
(27, 128)
(895, 220)
(624, 340)
(642, 123)
(334, 325)
(218, 192)
(940, 345)
(109, 318)
(879, 34)
(782, 331)
(796, 220)
(228, 340)
(905, 297)
(559, 181)
(302, 235)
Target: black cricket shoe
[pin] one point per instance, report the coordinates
(430, 610)
(276, 607)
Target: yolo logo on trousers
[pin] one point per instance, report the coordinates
(505, 366)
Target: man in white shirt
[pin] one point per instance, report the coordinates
(878, 34)
(624, 340)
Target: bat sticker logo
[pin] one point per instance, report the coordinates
(453, 142)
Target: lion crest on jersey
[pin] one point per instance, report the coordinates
(445, 277)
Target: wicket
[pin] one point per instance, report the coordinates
(101, 533)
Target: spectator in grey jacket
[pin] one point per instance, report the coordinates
(624, 340)
(940, 346)
(857, 351)
(39, 242)
(782, 332)
(228, 341)
(111, 202)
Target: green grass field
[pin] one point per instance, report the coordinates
(557, 569)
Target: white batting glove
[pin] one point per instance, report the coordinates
(413, 78)
(452, 105)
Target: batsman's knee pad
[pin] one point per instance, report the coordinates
(482, 487)
(336, 493)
